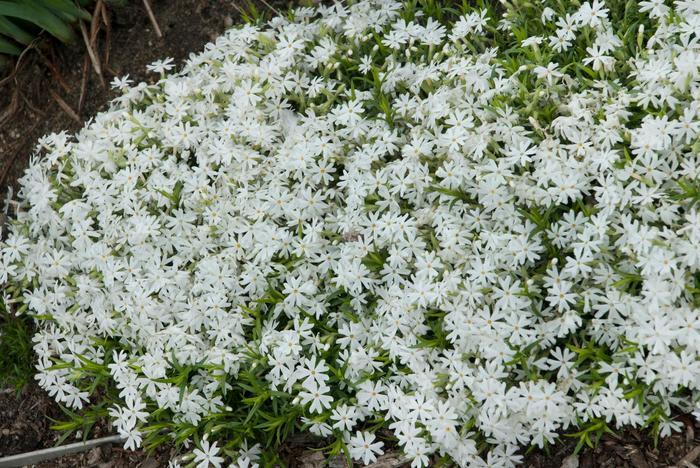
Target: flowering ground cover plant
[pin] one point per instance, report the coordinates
(456, 229)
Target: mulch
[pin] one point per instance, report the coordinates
(629, 448)
(55, 88)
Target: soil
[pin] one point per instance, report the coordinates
(630, 448)
(42, 94)
(24, 420)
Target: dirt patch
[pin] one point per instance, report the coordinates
(25, 425)
(24, 420)
(630, 448)
(108, 456)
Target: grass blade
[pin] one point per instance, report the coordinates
(39, 16)
(10, 29)
(9, 48)
(67, 8)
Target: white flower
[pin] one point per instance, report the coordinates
(532, 41)
(362, 447)
(317, 395)
(312, 372)
(345, 417)
(206, 455)
(121, 83)
(161, 66)
(548, 73)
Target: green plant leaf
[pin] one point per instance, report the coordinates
(39, 16)
(68, 8)
(10, 29)
(9, 48)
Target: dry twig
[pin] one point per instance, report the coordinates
(83, 84)
(271, 7)
(64, 105)
(54, 71)
(31, 106)
(11, 76)
(11, 109)
(95, 23)
(152, 17)
(238, 9)
(108, 33)
(91, 52)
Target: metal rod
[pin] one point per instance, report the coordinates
(37, 456)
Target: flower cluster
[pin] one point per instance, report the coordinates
(455, 232)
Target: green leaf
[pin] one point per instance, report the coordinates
(9, 48)
(39, 16)
(10, 29)
(67, 8)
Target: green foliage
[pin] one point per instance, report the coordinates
(16, 366)
(250, 13)
(22, 20)
(253, 411)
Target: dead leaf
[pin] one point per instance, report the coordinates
(390, 460)
(311, 459)
(690, 457)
